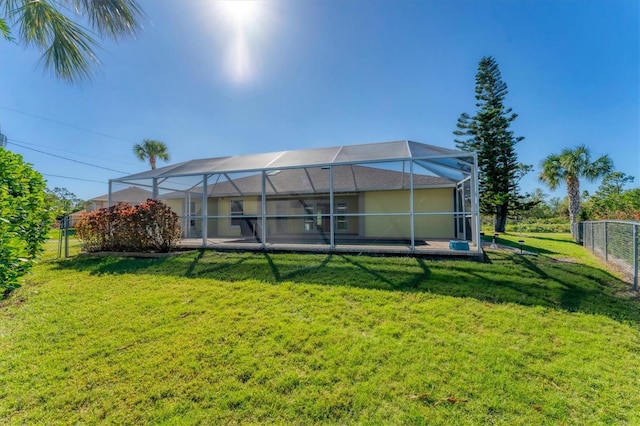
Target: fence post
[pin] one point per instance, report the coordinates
(67, 223)
(606, 243)
(635, 257)
(61, 229)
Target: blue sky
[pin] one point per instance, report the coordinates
(311, 73)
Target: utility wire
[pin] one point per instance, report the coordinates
(71, 152)
(66, 124)
(68, 159)
(74, 178)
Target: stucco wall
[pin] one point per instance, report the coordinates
(425, 200)
(176, 205)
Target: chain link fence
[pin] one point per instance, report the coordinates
(66, 231)
(614, 241)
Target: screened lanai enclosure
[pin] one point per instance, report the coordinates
(396, 197)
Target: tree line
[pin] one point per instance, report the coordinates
(487, 133)
(612, 200)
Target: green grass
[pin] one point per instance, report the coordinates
(553, 245)
(55, 233)
(219, 338)
(556, 224)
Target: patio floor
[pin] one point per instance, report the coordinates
(431, 247)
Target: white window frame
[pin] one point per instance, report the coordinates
(341, 218)
(309, 222)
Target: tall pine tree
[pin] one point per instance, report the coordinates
(487, 133)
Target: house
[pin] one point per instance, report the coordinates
(131, 195)
(400, 194)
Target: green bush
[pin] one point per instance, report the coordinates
(148, 227)
(540, 225)
(24, 218)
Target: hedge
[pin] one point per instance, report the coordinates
(148, 227)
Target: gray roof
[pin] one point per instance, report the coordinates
(442, 161)
(132, 194)
(314, 180)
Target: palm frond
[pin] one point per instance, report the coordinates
(7, 7)
(5, 30)
(113, 18)
(139, 152)
(598, 168)
(151, 149)
(552, 172)
(68, 47)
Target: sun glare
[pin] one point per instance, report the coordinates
(242, 32)
(242, 13)
(242, 25)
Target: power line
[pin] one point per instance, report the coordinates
(70, 152)
(73, 178)
(65, 158)
(66, 124)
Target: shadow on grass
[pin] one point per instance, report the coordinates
(506, 278)
(525, 247)
(537, 237)
(297, 273)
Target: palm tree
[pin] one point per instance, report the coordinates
(68, 47)
(569, 166)
(152, 150)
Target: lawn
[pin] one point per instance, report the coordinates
(229, 338)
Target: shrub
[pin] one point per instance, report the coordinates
(148, 227)
(24, 218)
(540, 225)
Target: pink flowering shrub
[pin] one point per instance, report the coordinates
(148, 227)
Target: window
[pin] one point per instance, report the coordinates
(309, 219)
(237, 209)
(341, 219)
(191, 213)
